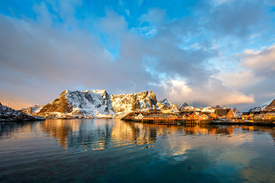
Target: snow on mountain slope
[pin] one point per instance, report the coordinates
(165, 102)
(264, 107)
(258, 109)
(33, 110)
(255, 109)
(9, 114)
(182, 106)
(166, 105)
(99, 103)
(132, 102)
(78, 103)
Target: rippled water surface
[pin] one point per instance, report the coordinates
(117, 151)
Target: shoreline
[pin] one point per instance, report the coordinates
(182, 122)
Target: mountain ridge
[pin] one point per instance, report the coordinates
(98, 103)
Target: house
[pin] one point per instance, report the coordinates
(206, 117)
(191, 115)
(139, 116)
(174, 117)
(269, 116)
(213, 115)
(224, 113)
(196, 117)
(250, 115)
(186, 117)
(245, 115)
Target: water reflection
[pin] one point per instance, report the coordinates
(99, 134)
(67, 151)
(7, 129)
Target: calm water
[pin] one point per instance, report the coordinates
(118, 151)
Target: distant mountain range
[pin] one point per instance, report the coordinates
(270, 107)
(9, 114)
(98, 103)
(258, 109)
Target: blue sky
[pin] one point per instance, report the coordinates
(214, 52)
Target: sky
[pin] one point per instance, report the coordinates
(203, 52)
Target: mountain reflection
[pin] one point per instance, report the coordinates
(98, 134)
(7, 129)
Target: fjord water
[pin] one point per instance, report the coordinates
(99, 150)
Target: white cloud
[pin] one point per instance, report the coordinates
(261, 62)
(240, 79)
(214, 92)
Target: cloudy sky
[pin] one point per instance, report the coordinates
(203, 52)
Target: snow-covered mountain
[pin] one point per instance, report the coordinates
(258, 109)
(98, 103)
(255, 109)
(182, 106)
(166, 105)
(76, 103)
(9, 114)
(132, 102)
(264, 107)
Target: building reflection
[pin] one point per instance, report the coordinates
(261, 129)
(98, 134)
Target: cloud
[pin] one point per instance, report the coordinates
(255, 75)
(237, 18)
(261, 62)
(212, 93)
(65, 48)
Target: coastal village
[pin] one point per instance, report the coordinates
(139, 107)
(216, 115)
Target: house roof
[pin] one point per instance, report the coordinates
(222, 112)
(184, 113)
